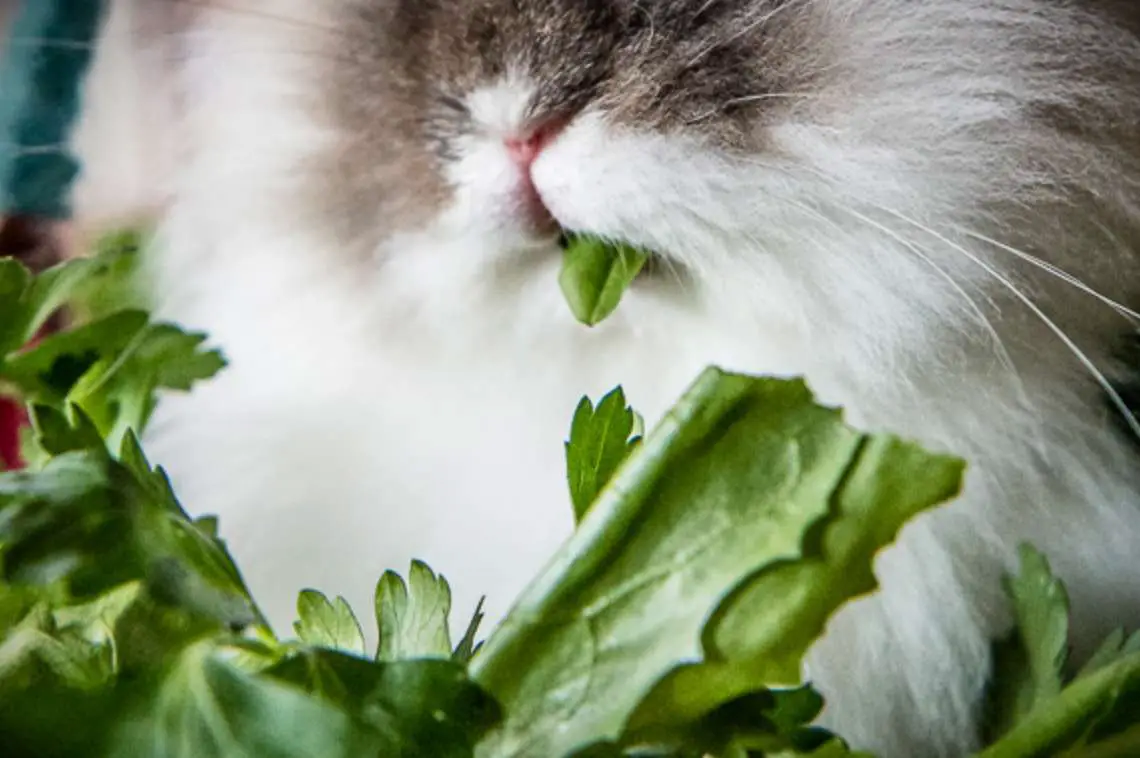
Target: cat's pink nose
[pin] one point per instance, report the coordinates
(525, 149)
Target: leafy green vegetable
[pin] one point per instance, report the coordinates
(322, 623)
(1085, 717)
(26, 301)
(96, 523)
(416, 707)
(36, 642)
(112, 367)
(48, 372)
(673, 624)
(1030, 709)
(127, 629)
(595, 275)
(600, 439)
(204, 707)
(1041, 605)
(315, 702)
(1117, 645)
(1029, 664)
(718, 504)
(199, 705)
(413, 617)
(14, 280)
(469, 645)
(116, 281)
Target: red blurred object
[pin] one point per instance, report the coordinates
(12, 420)
(34, 242)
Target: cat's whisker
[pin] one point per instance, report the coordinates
(745, 100)
(983, 320)
(1055, 271)
(700, 11)
(767, 96)
(675, 273)
(1013, 289)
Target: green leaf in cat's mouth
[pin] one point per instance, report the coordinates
(596, 273)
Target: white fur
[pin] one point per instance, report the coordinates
(418, 411)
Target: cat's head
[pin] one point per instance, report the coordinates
(840, 154)
(502, 123)
(494, 112)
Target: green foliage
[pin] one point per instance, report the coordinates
(413, 617)
(126, 627)
(595, 275)
(322, 623)
(1031, 661)
(749, 500)
(672, 624)
(112, 366)
(1035, 709)
(600, 439)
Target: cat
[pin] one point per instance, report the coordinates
(929, 209)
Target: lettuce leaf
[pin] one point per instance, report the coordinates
(750, 501)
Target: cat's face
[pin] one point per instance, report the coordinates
(500, 122)
(796, 158)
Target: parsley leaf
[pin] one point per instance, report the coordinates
(121, 395)
(1041, 606)
(1117, 645)
(326, 624)
(1029, 663)
(48, 372)
(595, 275)
(14, 280)
(199, 705)
(95, 523)
(468, 646)
(113, 367)
(600, 439)
(27, 302)
(413, 617)
(418, 707)
(1096, 715)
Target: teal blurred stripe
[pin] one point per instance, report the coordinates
(49, 49)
